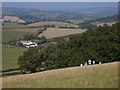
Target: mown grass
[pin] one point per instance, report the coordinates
(10, 56)
(60, 32)
(96, 76)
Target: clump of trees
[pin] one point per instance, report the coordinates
(100, 44)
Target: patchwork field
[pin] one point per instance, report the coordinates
(51, 23)
(58, 32)
(96, 76)
(10, 56)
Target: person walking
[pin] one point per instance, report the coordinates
(93, 62)
(89, 62)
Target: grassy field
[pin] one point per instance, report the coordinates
(58, 32)
(14, 31)
(96, 76)
(14, 34)
(10, 56)
(8, 35)
(13, 25)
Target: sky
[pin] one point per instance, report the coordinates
(58, 5)
(59, 0)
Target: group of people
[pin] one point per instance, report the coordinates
(90, 62)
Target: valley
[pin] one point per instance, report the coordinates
(49, 45)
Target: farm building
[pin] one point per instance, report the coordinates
(28, 44)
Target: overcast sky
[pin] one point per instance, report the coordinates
(59, 5)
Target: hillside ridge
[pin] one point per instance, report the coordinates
(69, 68)
(94, 76)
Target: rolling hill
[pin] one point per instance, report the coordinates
(59, 15)
(99, 21)
(94, 76)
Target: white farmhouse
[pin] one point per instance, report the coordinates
(29, 44)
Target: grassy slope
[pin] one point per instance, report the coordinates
(10, 56)
(97, 76)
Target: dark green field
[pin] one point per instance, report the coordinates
(9, 35)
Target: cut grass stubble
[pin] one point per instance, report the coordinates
(97, 76)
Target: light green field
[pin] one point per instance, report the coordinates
(96, 76)
(13, 25)
(10, 56)
(15, 31)
(15, 34)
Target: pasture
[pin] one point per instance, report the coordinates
(60, 32)
(13, 25)
(15, 34)
(10, 56)
(93, 76)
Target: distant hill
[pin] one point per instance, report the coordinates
(99, 21)
(56, 15)
(12, 19)
(107, 19)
